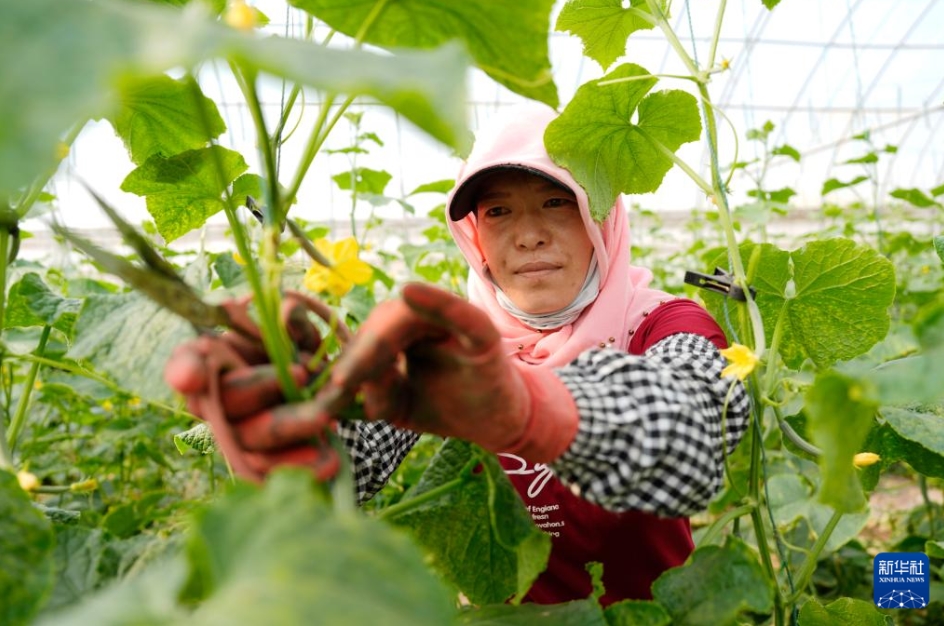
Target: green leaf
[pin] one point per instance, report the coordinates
(604, 26)
(199, 438)
(787, 150)
(770, 4)
(439, 186)
(842, 612)
(914, 197)
(30, 302)
(715, 587)
(281, 556)
(147, 599)
(921, 427)
(791, 498)
(637, 613)
(937, 191)
(518, 62)
(160, 115)
(576, 613)
(869, 157)
(834, 183)
(480, 535)
(230, 272)
(840, 416)
(130, 338)
(892, 447)
(934, 549)
(248, 185)
(830, 298)
(182, 191)
(58, 73)
(363, 181)
(26, 544)
(608, 154)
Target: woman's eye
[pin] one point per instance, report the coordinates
(494, 211)
(559, 202)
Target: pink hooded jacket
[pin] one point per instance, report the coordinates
(634, 547)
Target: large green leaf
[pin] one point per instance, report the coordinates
(480, 535)
(160, 115)
(791, 498)
(148, 599)
(840, 415)
(278, 556)
(183, 190)
(576, 613)
(925, 427)
(62, 62)
(842, 612)
(598, 141)
(715, 587)
(829, 298)
(604, 26)
(892, 447)
(31, 302)
(26, 544)
(130, 338)
(507, 40)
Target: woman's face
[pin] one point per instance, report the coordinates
(533, 239)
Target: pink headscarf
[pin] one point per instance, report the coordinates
(516, 139)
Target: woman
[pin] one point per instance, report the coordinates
(603, 396)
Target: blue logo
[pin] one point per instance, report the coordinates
(901, 580)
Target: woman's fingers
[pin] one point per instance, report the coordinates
(469, 325)
(248, 390)
(283, 426)
(322, 461)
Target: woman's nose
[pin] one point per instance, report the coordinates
(530, 232)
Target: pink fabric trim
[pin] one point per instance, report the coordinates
(553, 419)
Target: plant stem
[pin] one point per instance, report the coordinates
(402, 507)
(809, 564)
(6, 458)
(20, 416)
(663, 23)
(721, 522)
(698, 180)
(716, 36)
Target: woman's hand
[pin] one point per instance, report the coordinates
(228, 381)
(432, 362)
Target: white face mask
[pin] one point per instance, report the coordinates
(555, 319)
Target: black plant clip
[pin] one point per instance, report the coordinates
(721, 282)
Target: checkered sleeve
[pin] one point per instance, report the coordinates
(653, 428)
(376, 450)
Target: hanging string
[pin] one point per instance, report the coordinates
(713, 152)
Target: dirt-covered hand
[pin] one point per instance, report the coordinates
(228, 381)
(432, 362)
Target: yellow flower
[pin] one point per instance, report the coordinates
(741, 359)
(37, 384)
(27, 480)
(240, 15)
(238, 258)
(107, 405)
(864, 459)
(346, 268)
(134, 402)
